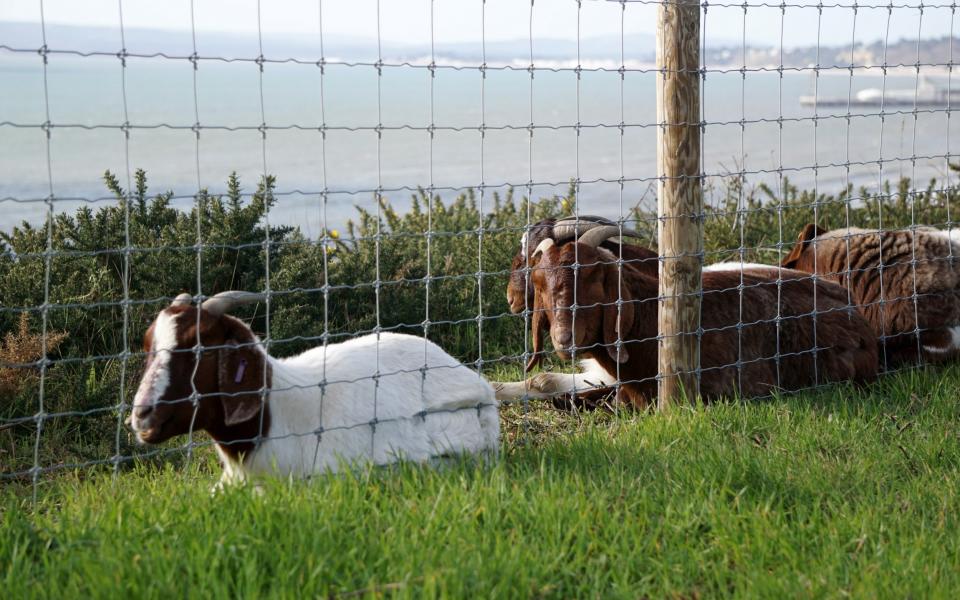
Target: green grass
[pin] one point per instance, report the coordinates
(842, 492)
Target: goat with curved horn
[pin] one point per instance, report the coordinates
(521, 296)
(608, 314)
(224, 301)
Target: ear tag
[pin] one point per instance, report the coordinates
(240, 370)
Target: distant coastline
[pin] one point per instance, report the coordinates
(934, 55)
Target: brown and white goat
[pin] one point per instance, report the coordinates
(906, 282)
(370, 399)
(519, 287)
(520, 296)
(778, 335)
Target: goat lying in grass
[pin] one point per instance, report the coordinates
(520, 296)
(912, 306)
(786, 335)
(364, 400)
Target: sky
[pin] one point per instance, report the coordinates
(461, 20)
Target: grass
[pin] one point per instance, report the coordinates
(843, 492)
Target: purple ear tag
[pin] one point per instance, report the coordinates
(240, 370)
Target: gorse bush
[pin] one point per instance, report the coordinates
(765, 223)
(437, 275)
(433, 266)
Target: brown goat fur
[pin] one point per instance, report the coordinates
(228, 379)
(897, 296)
(846, 348)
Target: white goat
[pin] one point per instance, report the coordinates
(370, 399)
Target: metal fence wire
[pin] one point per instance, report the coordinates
(446, 160)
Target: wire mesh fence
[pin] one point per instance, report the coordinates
(405, 187)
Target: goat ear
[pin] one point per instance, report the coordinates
(615, 328)
(809, 232)
(538, 324)
(241, 377)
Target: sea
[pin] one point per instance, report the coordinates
(335, 135)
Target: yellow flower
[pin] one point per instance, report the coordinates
(335, 234)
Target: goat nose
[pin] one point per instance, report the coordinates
(563, 338)
(143, 411)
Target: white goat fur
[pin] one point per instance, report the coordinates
(549, 385)
(402, 401)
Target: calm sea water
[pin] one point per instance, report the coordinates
(87, 94)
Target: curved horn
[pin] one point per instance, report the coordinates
(543, 246)
(225, 301)
(566, 229)
(183, 299)
(602, 233)
(544, 226)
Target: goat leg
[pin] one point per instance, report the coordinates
(544, 386)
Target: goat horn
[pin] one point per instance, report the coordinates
(567, 228)
(602, 233)
(183, 299)
(225, 301)
(543, 246)
(535, 228)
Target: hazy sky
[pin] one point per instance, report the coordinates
(460, 20)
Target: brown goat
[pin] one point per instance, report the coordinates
(815, 336)
(913, 307)
(520, 292)
(563, 230)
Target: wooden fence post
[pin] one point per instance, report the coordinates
(679, 198)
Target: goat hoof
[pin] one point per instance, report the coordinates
(541, 383)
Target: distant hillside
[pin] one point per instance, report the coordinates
(637, 48)
(180, 43)
(902, 52)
